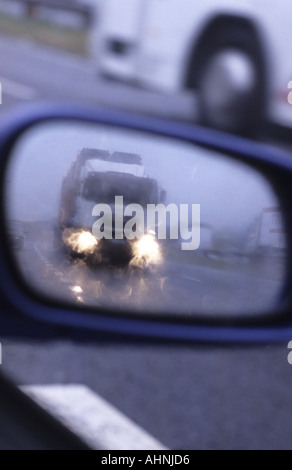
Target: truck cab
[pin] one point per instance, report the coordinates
(96, 193)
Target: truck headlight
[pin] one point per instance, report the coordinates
(80, 241)
(146, 251)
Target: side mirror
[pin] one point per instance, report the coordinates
(178, 232)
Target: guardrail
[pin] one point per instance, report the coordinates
(32, 7)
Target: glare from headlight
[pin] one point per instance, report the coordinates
(76, 289)
(81, 241)
(146, 252)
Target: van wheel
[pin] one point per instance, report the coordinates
(231, 90)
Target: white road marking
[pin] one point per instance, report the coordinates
(41, 255)
(17, 90)
(97, 422)
(49, 265)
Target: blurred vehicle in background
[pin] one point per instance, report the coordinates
(266, 235)
(234, 55)
(16, 234)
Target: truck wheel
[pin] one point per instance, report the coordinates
(230, 89)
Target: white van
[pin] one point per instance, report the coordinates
(236, 55)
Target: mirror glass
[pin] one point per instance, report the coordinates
(115, 219)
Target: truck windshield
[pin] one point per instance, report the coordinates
(102, 188)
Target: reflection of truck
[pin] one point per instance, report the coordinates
(234, 54)
(267, 235)
(98, 177)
